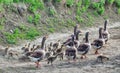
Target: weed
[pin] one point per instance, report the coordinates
(35, 5)
(52, 11)
(15, 1)
(69, 3)
(70, 23)
(36, 18)
(101, 10)
(55, 1)
(117, 3)
(79, 19)
(30, 19)
(118, 11)
(109, 1)
(51, 30)
(79, 3)
(11, 38)
(31, 33)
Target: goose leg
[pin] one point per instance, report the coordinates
(37, 64)
(96, 52)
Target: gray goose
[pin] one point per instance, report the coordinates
(71, 52)
(85, 47)
(105, 32)
(76, 41)
(39, 54)
(69, 40)
(98, 43)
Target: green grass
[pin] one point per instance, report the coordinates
(117, 3)
(32, 33)
(118, 11)
(69, 3)
(29, 34)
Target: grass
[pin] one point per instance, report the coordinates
(76, 12)
(29, 34)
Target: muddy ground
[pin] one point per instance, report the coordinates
(89, 65)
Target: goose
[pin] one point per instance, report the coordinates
(101, 58)
(51, 59)
(68, 41)
(33, 47)
(6, 50)
(98, 43)
(105, 32)
(60, 51)
(56, 45)
(38, 54)
(76, 41)
(84, 47)
(75, 29)
(71, 52)
(10, 52)
(26, 48)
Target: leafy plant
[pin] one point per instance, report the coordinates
(35, 5)
(7, 1)
(118, 11)
(79, 3)
(86, 3)
(32, 33)
(15, 1)
(101, 10)
(30, 19)
(51, 30)
(109, 1)
(95, 5)
(55, 1)
(79, 19)
(52, 11)
(70, 22)
(117, 3)
(69, 3)
(11, 38)
(36, 19)
(78, 12)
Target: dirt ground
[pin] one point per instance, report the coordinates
(88, 65)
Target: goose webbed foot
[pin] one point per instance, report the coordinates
(83, 57)
(96, 52)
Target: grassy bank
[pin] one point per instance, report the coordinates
(27, 19)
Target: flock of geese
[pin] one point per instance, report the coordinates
(70, 48)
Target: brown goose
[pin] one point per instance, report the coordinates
(69, 40)
(32, 48)
(71, 52)
(84, 48)
(75, 29)
(39, 54)
(60, 51)
(76, 41)
(51, 59)
(105, 32)
(98, 43)
(101, 58)
(56, 45)
(26, 48)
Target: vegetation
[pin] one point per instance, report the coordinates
(42, 17)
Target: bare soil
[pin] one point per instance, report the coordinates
(89, 65)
